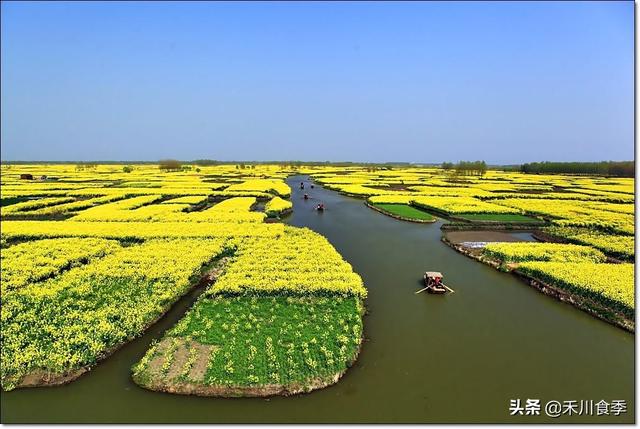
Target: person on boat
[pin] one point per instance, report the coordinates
(438, 284)
(301, 185)
(306, 196)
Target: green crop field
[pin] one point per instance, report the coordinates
(405, 211)
(257, 341)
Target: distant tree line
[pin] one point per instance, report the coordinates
(603, 168)
(86, 165)
(466, 168)
(204, 162)
(169, 165)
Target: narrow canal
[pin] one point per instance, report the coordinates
(454, 358)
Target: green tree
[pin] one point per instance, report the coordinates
(169, 165)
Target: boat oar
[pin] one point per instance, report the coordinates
(422, 290)
(448, 288)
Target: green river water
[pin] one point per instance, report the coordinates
(455, 358)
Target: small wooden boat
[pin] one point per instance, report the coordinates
(306, 196)
(320, 207)
(433, 283)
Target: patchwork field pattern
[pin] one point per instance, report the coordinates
(589, 220)
(91, 256)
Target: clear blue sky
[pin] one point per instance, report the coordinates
(421, 82)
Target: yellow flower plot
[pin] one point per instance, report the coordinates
(264, 185)
(34, 261)
(34, 204)
(522, 252)
(610, 284)
(277, 206)
(300, 262)
(70, 320)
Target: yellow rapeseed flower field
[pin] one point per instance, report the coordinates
(132, 244)
(91, 255)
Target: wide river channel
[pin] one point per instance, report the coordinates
(460, 357)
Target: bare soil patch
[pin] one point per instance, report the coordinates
(199, 368)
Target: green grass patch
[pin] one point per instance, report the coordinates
(267, 340)
(498, 217)
(405, 211)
